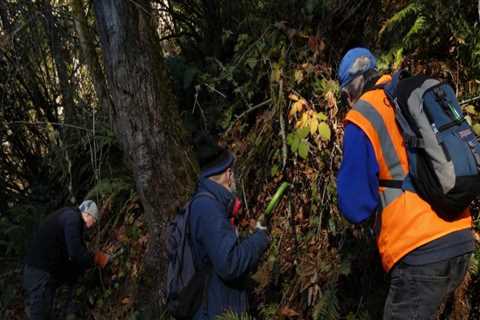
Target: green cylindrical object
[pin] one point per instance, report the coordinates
(276, 198)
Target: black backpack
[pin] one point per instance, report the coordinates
(443, 151)
(186, 286)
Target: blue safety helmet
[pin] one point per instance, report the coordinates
(354, 63)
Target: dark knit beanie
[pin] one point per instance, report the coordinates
(212, 158)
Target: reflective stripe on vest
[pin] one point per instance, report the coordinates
(387, 195)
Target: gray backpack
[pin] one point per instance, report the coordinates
(443, 151)
(186, 286)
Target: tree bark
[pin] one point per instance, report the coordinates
(149, 128)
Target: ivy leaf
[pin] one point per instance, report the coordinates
(303, 148)
(302, 133)
(324, 131)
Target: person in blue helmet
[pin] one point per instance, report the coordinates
(216, 245)
(426, 257)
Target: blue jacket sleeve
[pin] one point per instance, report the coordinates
(77, 252)
(230, 257)
(357, 180)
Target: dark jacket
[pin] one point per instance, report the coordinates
(58, 246)
(216, 245)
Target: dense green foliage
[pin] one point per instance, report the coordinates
(261, 75)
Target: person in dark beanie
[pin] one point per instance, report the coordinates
(57, 255)
(216, 246)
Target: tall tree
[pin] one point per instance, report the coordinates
(148, 126)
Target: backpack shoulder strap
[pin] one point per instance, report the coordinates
(391, 87)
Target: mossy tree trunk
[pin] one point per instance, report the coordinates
(149, 128)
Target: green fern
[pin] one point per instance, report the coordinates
(110, 187)
(327, 307)
(230, 315)
(415, 31)
(400, 18)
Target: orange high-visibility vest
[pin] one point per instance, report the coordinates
(404, 221)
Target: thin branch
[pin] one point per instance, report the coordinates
(470, 100)
(177, 35)
(284, 140)
(243, 114)
(36, 123)
(215, 90)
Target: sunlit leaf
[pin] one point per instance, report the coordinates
(313, 124)
(303, 148)
(293, 140)
(296, 107)
(476, 128)
(470, 109)
(293, 97)
(321, 116)
(324, 131)
(298, 76)
(303, 122)
(303, 132)
(468, 119)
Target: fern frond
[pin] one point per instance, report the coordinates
(399, 18)
(419, 26)
(327, 307)
(230, 315)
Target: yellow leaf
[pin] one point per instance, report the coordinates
(468, 119)
(276, 73)
(293, 97)
(476, 128)
(324, 131)
(298, 75)
(296, 107)
(321, 116)
(330, 97)
(303, 122)
(313, 124)
(293, 111)
(470, 109)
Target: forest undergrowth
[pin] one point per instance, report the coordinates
(269, 92)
